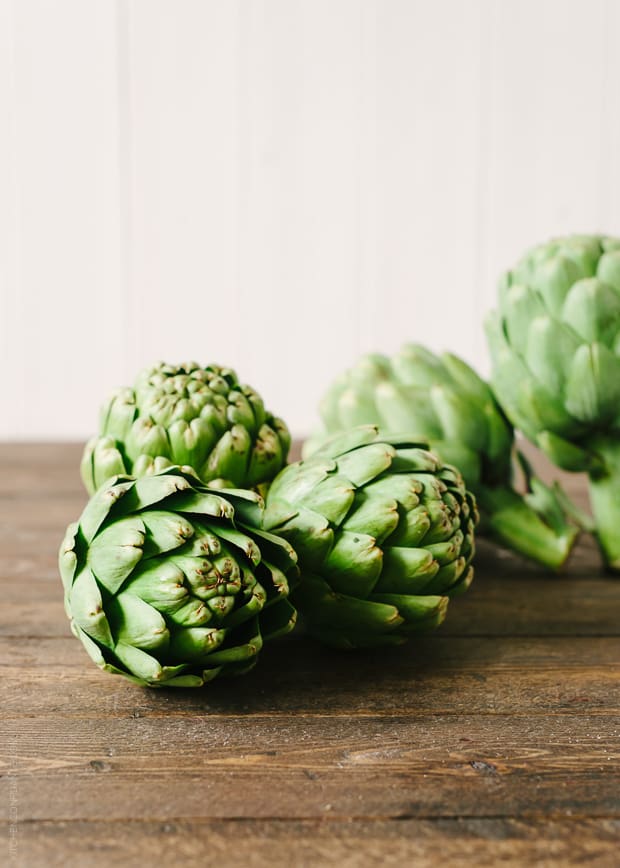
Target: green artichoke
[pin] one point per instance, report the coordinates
(441, 400)
(187, 415)
(170, 583)
(555, 346)
(384, 534)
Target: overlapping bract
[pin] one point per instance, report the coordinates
(185, 414)
(555, 344)
(170, 583)
(384, 534)
(441, 400)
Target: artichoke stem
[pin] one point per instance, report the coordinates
(514, 523)
(605, 500)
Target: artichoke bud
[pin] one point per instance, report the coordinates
(365, 549)
(188, 415)
(157, 577)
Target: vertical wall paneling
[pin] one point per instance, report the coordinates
(300, 181)
(428, 89)
(185, 140)
(14, 384)
(66, 305)
(280, 185)
(547, 128)
(609, 217)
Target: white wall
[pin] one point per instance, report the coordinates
(281, 185)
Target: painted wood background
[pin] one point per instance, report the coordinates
(281, 185)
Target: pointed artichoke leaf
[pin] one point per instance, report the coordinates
(544, 410)
(394, 406)
(411, 459)
(165, 531)
(229, 458)
(466, 378)
(139, 663)
(329, 409)
(593, 385)
(67, 557)
(274, 548)
(406, 570)
(299, 479)
(592, 309)
(417, 367)
(105, 500)
(308, 532)
(241, 411)
(608, 269)
(457, 420)
(266, 457)
(190, 613)
(101, 461)
(522, 306)
(205, 503)
(356, 406)
(553, 279)
(238, 653)
(149, 490)
(240, 541)
(416, 610)
(118, 414)
(195, 644)
(365, 463)
(374, 515)
(87, 608)
(322, 606)
(404, 488)
(161, 584)
(191, 442)
(116, 550)
(567, 455)
(331, 497)
(354, 563)
(341, 443)
(135, 622)
(146, 438)
(412, 528)
(550, 345)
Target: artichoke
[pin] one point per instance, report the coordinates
(441, 400)
(170, 583)
(555, 347)
(384, 534)
(187, 415)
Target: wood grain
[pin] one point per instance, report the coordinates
(494, 740)
(307, 843)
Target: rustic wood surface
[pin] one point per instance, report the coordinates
(495, 740)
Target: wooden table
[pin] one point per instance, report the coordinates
(495, 739)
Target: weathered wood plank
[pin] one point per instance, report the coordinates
(55, 679)
(307, 766)
(425, 843)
